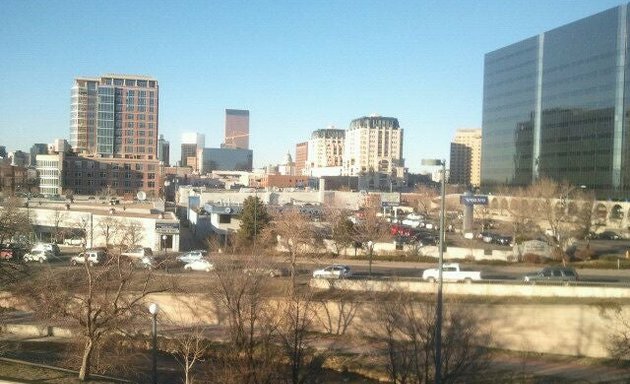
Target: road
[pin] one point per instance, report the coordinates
(413, 270)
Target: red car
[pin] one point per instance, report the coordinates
(6, 253)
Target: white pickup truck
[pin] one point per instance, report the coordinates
(451, 272)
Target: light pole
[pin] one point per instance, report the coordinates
(438, 309)
(153, 310)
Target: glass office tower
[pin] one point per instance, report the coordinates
(555, 106)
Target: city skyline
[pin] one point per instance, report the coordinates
(296, 67)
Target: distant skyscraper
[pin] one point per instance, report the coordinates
(163, 150)
(465, 162)
(236, 129)
(301, 155)
(115, 116)
(373, 145)
(192, 143)
(37, 149)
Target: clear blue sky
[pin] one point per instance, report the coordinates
(297, 66)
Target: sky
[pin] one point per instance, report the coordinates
(297, 66)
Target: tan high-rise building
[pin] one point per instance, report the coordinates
(236, 129)
(325, 148)
(373, 144)
(465, 162)
(114, 125)
(115, 116)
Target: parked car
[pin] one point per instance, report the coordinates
(266, 271)
(451, 272)
(489, 237)
(191, 256)
(38, 255)
(503, 240)
(146, 262)
(73, 241)
(607, 235)
(333, 272)
(559, 274)
(199, 265)
(91, 257)
(6, 252)
(50, 247)
(138, 252)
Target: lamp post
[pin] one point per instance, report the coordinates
(438, 309)
(153, 310)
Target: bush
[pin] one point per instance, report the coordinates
(585, 254)
(532, 258)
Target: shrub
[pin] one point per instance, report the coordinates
(532, 258)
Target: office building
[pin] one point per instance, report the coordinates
(373, 144)
(163, 151)
(465, 161)
(37, 149)
(225, 159)
(301, 156)
(236, 129)
(192, 143)
(557, 105)
(115, 116)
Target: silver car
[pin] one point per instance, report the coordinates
(335, 271)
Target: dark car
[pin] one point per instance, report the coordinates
(607, 235)
(503, 240)
(552, 274)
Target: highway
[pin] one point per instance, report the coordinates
(405, 270)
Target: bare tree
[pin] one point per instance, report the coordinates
(370, 229)
(58, 217)
(14, 221)
(337, 312)
(565, 209)
(341, 229)
(242, 302)
(110, 229)
(407, 329)
(295, 233)
(295, 334)
(424, 197)
(98, 301)
(190, 348)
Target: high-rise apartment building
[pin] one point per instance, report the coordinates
(236, 129)
(325, 148)
(115, 116)
(557, 105)
(163, 150)
(373, 144)
(301, 156)
(114, 124)
(465, 162)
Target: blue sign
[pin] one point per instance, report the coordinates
(473, 200)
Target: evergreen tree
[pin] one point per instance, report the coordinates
(254, 218)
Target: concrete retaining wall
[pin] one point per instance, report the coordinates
(569, 329)
(476, 289)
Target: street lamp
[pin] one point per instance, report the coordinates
(438, 309)
(153, 310)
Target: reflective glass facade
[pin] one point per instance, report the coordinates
(554, 106)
